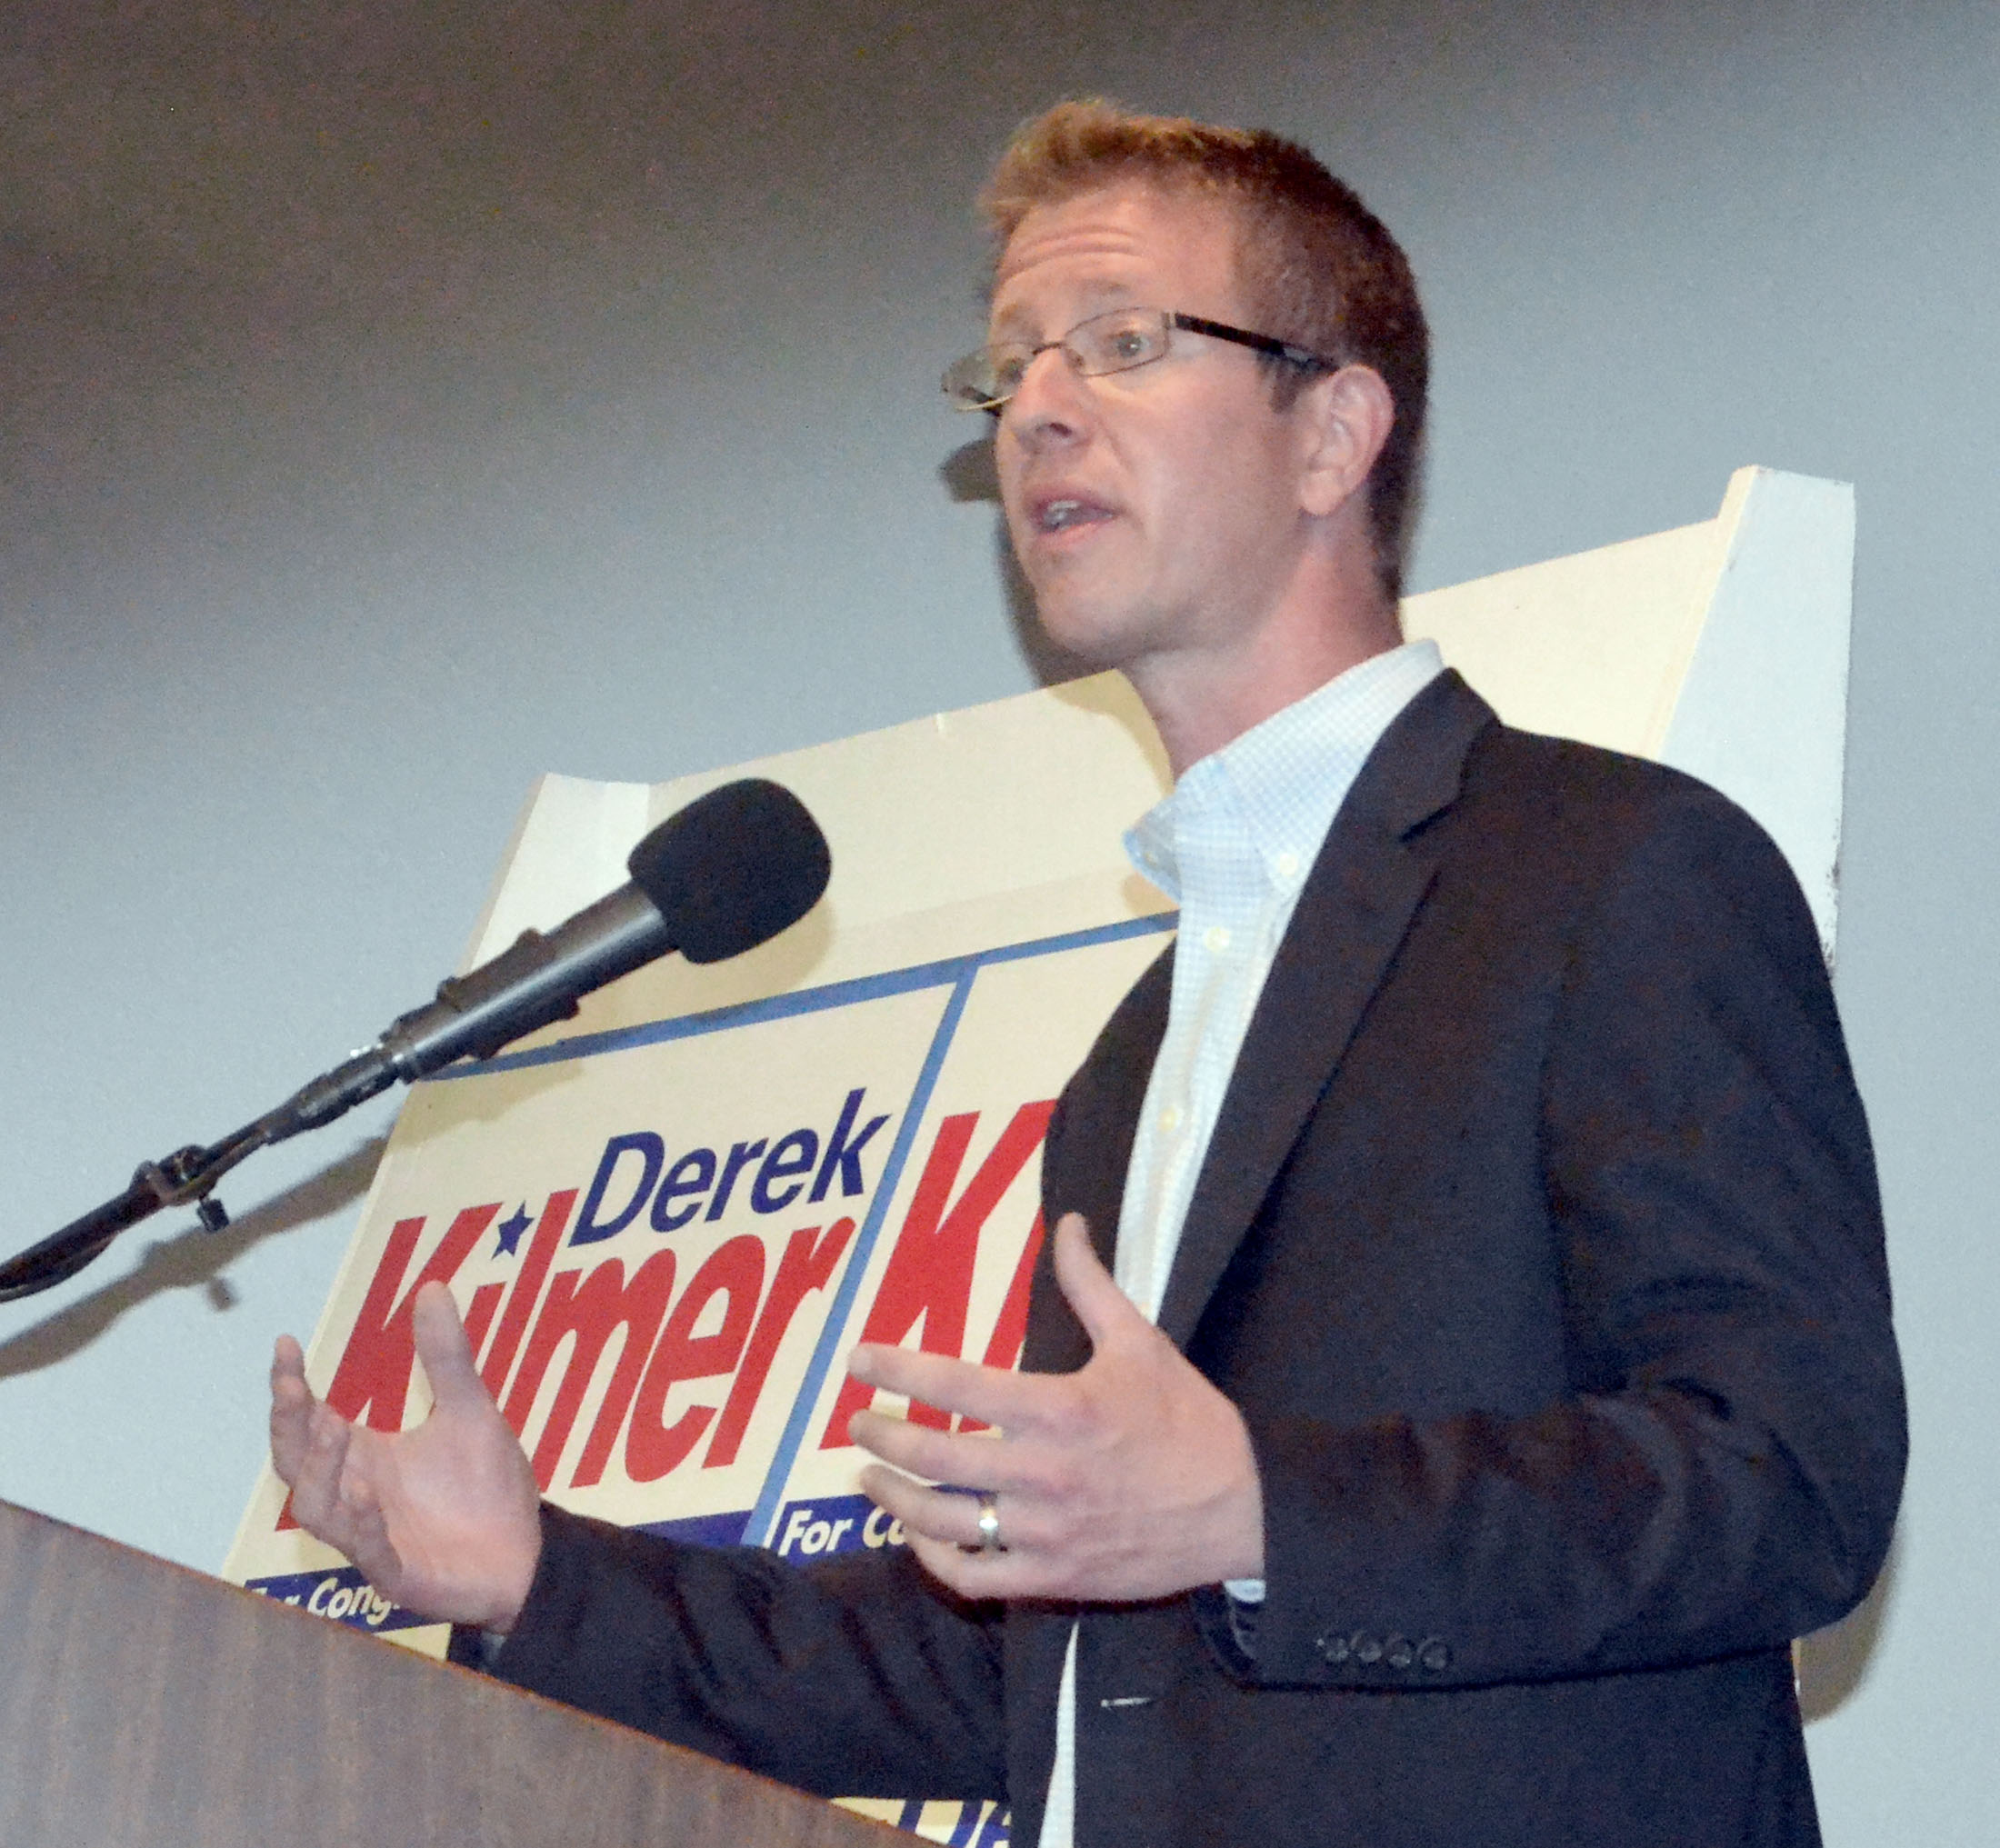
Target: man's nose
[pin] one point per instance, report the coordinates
(1052, 404)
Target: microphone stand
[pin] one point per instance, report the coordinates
(187, 1177)
(732, 870)
(529, 985)
(537, 980)
(180, 1179)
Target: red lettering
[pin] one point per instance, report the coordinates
(371, 1383)
(808, 1262)
(528, 1287)
(486, 1299)
(929, 1273)
(1009, 1333)
(588, 1307)
(734, 1270)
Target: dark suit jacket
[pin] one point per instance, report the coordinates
(1538, 1244)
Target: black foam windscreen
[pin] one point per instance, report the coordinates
(733, 868)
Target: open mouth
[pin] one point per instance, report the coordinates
(1065, 512)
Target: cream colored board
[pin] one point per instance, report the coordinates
(947, 1821)
(928, 816)
(568, 849)
(1614, 632)
(825, 949)
(1763, 711)
(1720, 648)
(708, 1091)
(1591, 647)
(992, 1069)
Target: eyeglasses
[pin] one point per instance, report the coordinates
(1120, 341)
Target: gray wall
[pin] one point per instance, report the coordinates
(398, 402)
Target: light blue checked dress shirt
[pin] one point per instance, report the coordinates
(1232, 846)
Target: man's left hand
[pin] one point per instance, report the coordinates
(1130, 1478)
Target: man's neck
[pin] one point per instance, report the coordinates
(1200, 701)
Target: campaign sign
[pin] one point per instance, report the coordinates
(665, 1238)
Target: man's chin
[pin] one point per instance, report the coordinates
(1092, 636)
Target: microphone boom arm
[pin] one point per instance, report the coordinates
(534, 981)
(727, 873)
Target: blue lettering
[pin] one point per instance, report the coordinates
(651, 1151)
(741, 1154)
(694, 1174)
(774, 1184)
(840, 1523)
(844, 1152)
(779, 1165)
(882, 1529)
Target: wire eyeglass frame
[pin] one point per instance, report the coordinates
(987, 377)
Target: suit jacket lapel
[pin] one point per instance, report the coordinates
(1357, 908)
(1088, 1150)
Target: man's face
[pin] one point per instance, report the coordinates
(1154, 511)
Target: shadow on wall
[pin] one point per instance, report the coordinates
(194, 1258)
(969, 477)
(1833, 1662)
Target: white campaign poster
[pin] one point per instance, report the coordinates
(685, 1222)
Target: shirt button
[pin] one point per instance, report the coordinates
(1170, 1118)
(1288, 865)
(1216, 938)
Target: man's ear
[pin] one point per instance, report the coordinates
(1344, 419)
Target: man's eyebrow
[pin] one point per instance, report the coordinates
(1011, 325)
(1095, 298)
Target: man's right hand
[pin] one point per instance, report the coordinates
(443, 1520)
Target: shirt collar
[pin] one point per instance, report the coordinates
(1279, 784)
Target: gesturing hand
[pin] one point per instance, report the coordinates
(1132, 1478)
(442, 1518)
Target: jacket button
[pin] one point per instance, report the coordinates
(1367, 1649)
(1400, 1652)
(1434, 1654)
(1333, 1648)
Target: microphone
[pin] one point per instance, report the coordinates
(729, 872)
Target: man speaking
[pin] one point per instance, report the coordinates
(1463, 1361)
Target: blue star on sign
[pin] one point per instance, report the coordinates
(510, 1231)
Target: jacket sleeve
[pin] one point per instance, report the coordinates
(857, 1676)
(1722, 1474)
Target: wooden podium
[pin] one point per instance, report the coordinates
(143, 1705)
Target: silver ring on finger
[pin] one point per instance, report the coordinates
(989, 1525)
